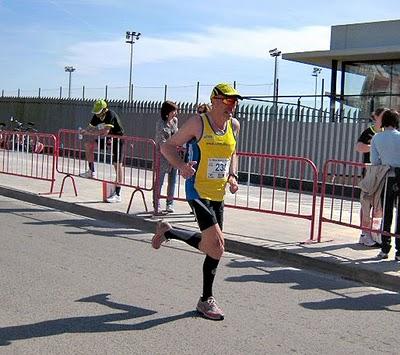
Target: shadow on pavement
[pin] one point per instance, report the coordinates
(375, 302)
(301, 281)
(89, 324)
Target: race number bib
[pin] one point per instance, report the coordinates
(218, 168)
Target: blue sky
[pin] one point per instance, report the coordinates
(181, 43)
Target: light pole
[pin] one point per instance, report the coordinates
(69, 69)
(275, 53)
(131, 38)
(316, 71)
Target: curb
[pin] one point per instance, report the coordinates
(364, 276)
(118, 217)
(293, 259)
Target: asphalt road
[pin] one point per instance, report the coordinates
(73, 285)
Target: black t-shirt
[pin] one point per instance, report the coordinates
(366, 137)
(111, 120)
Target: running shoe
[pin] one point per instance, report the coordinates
(382, 255)
(114, 198)
(209, 309)
(367, 240)
(87, 174)
(159, 236)
(159, 213)
(170, 208)
(397, 257)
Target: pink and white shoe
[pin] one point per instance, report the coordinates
(209, 309)
(159, 236)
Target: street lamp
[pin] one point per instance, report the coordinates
(275, 53)
(131, 38)
(316, 71)
(69, 69)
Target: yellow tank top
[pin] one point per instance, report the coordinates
(213, 152)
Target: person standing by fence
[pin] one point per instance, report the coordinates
(385, 147)
(165, 128)
(364, 146)
(104, 122)
(209, 166)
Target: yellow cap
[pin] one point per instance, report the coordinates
(99, 106)
(225, 89)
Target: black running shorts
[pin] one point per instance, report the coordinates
(207, 212)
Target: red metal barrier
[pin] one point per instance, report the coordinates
(135, 156)
(28, 154)
(274, 184)
(340, 202)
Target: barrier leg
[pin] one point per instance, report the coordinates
(73, 184)
(51, 192)
(108, 190)
(143, 198)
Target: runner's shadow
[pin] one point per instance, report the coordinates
(89, 324)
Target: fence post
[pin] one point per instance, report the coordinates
(322, 93)
(165, 92)
(83, 92)
(2, 93)
(298, 108)
(106, 93)
(60, 92)
(39, 94)
(197, 93)
(19, 92)
(132, 92)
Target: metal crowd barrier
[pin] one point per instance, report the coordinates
(134, 156)
(340, 198)
(28, 154)
(274, 184)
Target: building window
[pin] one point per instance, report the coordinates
(373, 84)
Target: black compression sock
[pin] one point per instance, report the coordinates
(91, 166)
(191, 238)
(118, 190)
(209, 270)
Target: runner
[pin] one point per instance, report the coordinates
(209, 165)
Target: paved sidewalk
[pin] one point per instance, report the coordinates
(259, 235)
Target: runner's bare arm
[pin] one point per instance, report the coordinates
(236, 128)
(190, 129)
(233, 169)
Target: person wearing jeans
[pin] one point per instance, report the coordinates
(166, 126)
(385, 147)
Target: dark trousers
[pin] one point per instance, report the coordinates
(392, 200)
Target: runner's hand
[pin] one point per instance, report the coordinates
(233, 185)
(187, 169)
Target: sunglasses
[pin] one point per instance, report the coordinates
(227, 101)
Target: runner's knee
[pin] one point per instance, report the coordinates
(216, 250)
